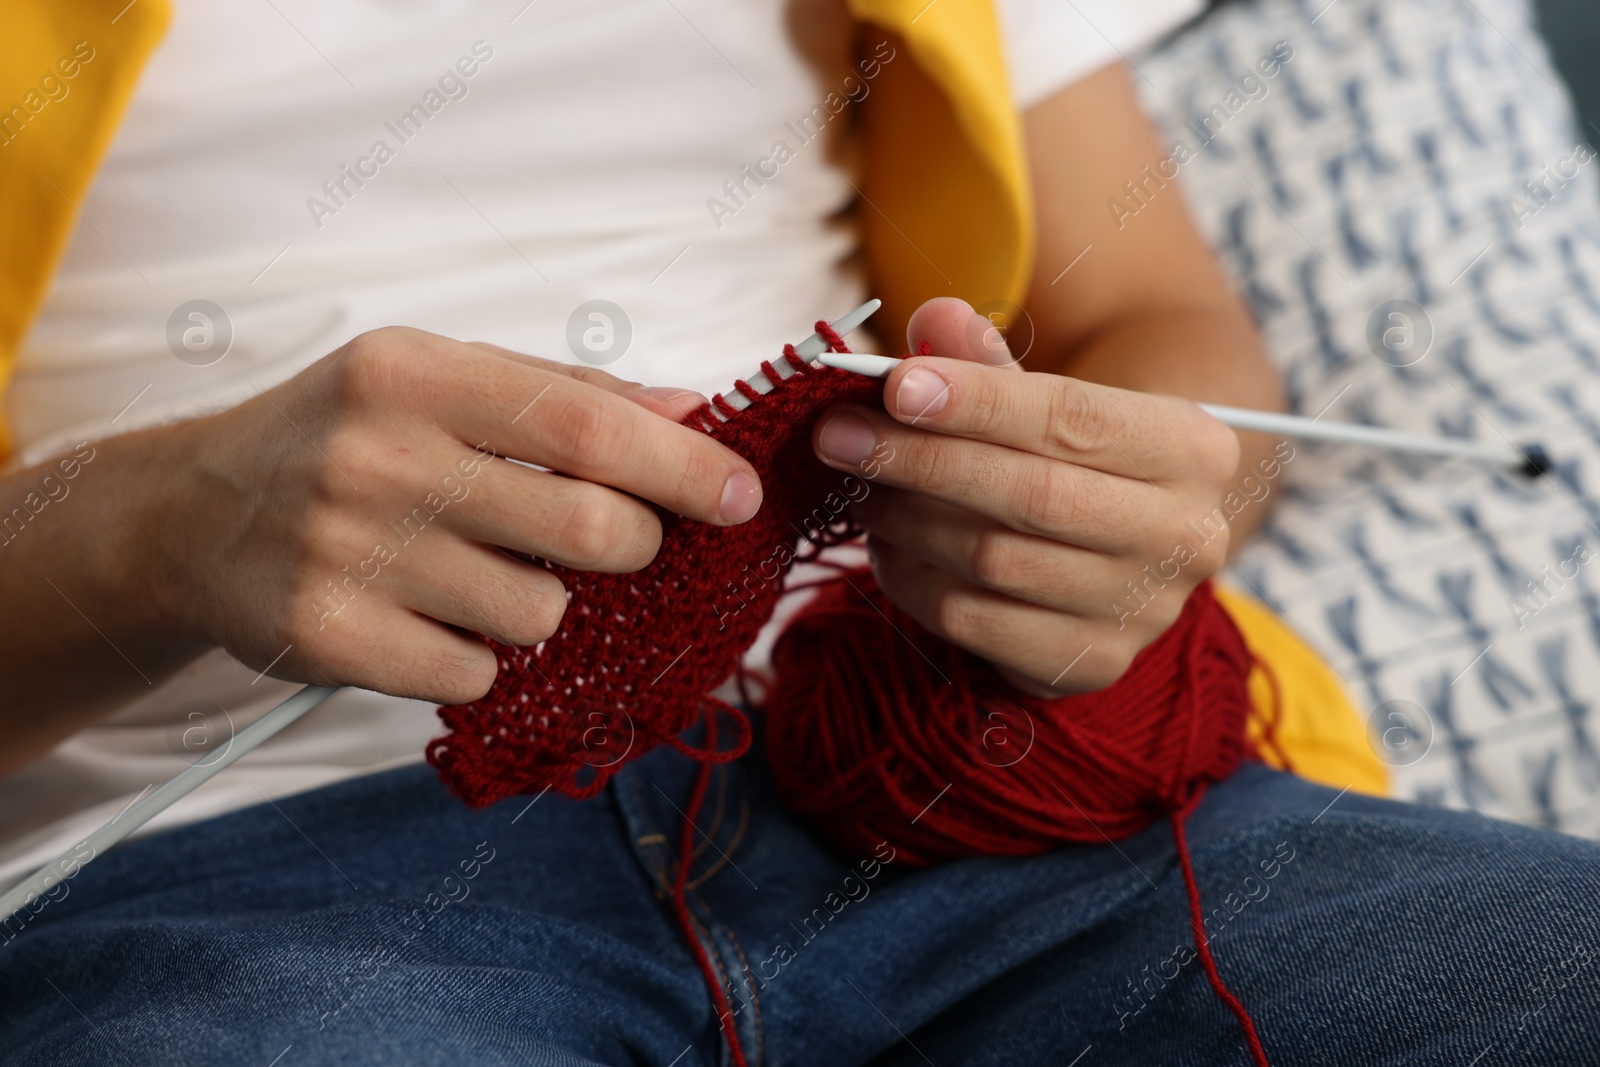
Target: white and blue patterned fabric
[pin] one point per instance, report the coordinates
(1390, 159)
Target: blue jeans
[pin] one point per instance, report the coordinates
(380, 921)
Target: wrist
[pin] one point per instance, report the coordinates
(143, 550)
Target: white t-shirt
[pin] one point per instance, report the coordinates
(534, 157)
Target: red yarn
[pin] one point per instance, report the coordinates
(877, 730)
(864, 743)
(871, 717)
(638, 655)
(1203, 944)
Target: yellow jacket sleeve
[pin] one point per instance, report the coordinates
(67, 71)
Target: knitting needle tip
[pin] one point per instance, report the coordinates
(816, 343)
(859, 363)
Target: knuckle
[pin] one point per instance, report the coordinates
(535, 611)
(995, 558)
(315, 609)
(454, 676)
(308, 617)
(349, 446)
(1101, 674)
(1072, 426)
(1054, 503)
(1109, 659)
(642, 544)
(986, 408)
(1211, 555)
(956, 618)
(546, 608)
(594, 376)
(1214, 446)
(589, 528)
(936, 464)
(1095, 669)
(1163, 613)
(704, 472)
(1120, 655)
(371, 364)
(594, 431)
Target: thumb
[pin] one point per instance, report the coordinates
(953, 330)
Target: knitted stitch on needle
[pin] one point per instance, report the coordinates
(870, 716)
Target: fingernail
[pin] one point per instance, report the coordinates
(921, 393)
(741, 498)
(847, 438)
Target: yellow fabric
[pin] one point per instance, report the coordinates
(54, 128)
(948, 208)
(1317, 727)
(947, 211)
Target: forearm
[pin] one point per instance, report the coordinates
(1210, 354)
(1138, 302)
(82, 630)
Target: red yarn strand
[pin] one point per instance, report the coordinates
(680, 898)
(1271, 720)
(1203, 946)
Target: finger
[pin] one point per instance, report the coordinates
(374, 644)
(667, 401)
(570, 424)
(600, 437)
(1052, 649)
(953, 330)
(1119, 431)
(575, 523)
(478, 588)
(987, 554)
(1062, 501)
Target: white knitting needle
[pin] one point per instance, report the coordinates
(190, 779)
(1531, 460)
(148, 807)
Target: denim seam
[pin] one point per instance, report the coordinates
(715, 821)
(652, 850)
(714, 953)
(724, 964)
(733, 843)
(636, 818)
(755, 997)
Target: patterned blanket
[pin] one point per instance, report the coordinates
(1409, 208)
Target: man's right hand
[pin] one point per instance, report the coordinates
(352, 526)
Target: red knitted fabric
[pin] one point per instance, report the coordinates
(637, 655)
(878, 730)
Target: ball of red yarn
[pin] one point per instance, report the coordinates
(879, 730)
